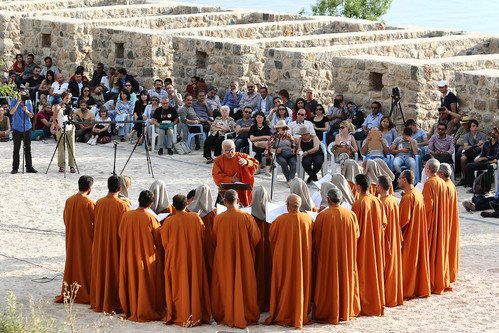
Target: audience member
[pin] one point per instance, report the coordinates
(488, 157)
(33, 83)
(259, 135)
(164, 119)
(101, 133)
(124, 112)
(49, 66)
(233, 96)
(441, 145)
(473, 143)
(138, 114)
(158, 90)
(300, 121)
(44, 88)
(312, 155)
(4, 126)
(84, 119)
(336, 114)
(448, 98)
(372, 120)
(279, 113)
(196, 86)
(18, 64)
(220, 126)
(375, 146)
(320, 121)
(284, 95)
(250, 98)
(124, 77)
(448, 118)
(97, 76)
(174, 98)
(459, 142)
(388, 130)
(265, 101)
(283, 145)
(243, 127)
(76, 84)
(310, 102)
(213, 100)
(57, 88)
(404, 148)
(344, 142)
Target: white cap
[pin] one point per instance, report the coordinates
(442, 83)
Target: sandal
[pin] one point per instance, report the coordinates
(61, 169)
(72, 170)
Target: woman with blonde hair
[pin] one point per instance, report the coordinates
(344, 142)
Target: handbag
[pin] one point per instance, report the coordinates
(181, 148)
(165, 126)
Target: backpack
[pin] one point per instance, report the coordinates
(181, 148)
(482, 185)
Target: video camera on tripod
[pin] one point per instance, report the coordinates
(396, 93)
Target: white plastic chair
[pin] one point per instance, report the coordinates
(299, 168)
(155, 135)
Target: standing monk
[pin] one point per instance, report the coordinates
(141, 280)
(437, 204)
(231, 167)
(202, 203)
(233, 284)
(263, 257)
(370, 262)
(445, 172)
(79, 222)
(416, 275)
(104, 296)
(291, 240)
(394, 294)
(186, 284)
(335, 233)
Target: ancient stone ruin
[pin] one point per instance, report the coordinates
(363, 60)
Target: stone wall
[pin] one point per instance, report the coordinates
(245, 59)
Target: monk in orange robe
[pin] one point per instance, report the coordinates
(415, 264)
(141, 280)
(370, 256)
(335, 233)
(104, 296)
(231, 167)
(233, 284)
(202, 203)
(437, 204)
(394, 294)
(263, 255)
(186, 284)
(444, 172)
(79, 222)
(291, 241)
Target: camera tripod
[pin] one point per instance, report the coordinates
(65, 141)
(273, 166)
(143, 137)
(396, 111)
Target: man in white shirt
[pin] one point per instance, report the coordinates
(49, 66)
(265, 101)
(294, 126)
(56, 90)
(158, 90)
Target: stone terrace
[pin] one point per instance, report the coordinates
(363, 60)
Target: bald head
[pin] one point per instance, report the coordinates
(432, 167)
(230, 198)
(293, 203)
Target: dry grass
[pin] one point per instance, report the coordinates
(69, 295)
(190, 323)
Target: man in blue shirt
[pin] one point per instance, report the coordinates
(233, 96)
(372, 120)
(22, 112)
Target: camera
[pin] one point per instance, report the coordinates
(396, 93)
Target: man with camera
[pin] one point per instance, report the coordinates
(21, 110)
(449, 118)
(63, 125)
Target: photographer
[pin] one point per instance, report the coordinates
(62, 117)
(21, 110)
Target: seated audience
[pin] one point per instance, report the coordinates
(164, 119)
(265, 101)
(280, 112)
(101, 133)
(44, 88)
(250, 98)
(344, 142)
(174, 98)
(138, 114)
(158, 90)
(86, 117)
(196, 85)
(124, 111)
(404, 148)
(49, 66)
(87, 97)
(97, 76)
(4, 126)
(57, 88)
(459, 142)
(375, 146)
(213, 100)
(243, 127)
(336, 114)
(284, 95)
(310, 103)
(448, 118)
(98, 95)
(388, 130)
(233, 96)
(372, 120)
(312, 156)
(299, 104)
(472, 146)
(488, 157)
(320, 121)
(441, 145)
(259, 135)
(43, 121)
(283, 145)
(220, 126)
(418, 134)
(294, 126)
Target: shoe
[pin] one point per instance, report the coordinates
(61, 169)
(45, 141)
(94, 142)
(495, 206)
(149, 148)
(198, 146)
(14, 171)
(72, 170)
(489, 214)
(170, 151)
(31, 170)
(122, 139)
(461, 183)
(469, 206)
(160, 151)
(470, 191)
(267, 173)
(209, 160)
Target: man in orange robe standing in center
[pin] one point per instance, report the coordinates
(79, 222)
(233, 283)
(186, 284)
(291, 284)
(437, 215)
(141, 276)
(370, 256)
(394, 294)
(416, 275)
(335, 233)
(231, 167)
(104, 296)
(445, 172)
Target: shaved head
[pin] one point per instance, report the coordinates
(293, 202)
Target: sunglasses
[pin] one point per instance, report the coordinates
(247, 111)
(128, 85)
(301, 114)
(342, 127)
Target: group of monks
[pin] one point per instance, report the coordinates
(232, 266)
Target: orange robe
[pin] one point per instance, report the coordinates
(263, 265)
(233, 283)
(209, 246)
(104, 296)
(186, 284)
(141, 280)
(224, 169)
(370, 262)
(336, 296)
(290, 293)
(394, 294)
(415, 264)
(373, 189)
(79, 222)
(453, 230)
(436, 204)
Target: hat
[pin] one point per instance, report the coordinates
(281, 124)
(465, 119)
(442, 83)
(303, 130)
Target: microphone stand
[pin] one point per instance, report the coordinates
(114, 159)
(272, 166)
(24, 131)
